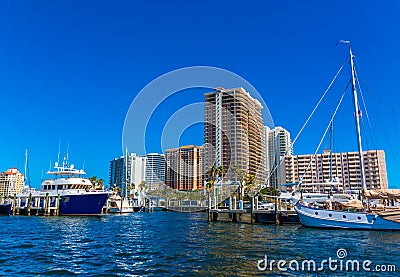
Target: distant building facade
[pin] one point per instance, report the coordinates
(11, 182)
(278, 143)
(345, 167)
(234, 133)
(125, 171)
(155, 169)
(184, 168)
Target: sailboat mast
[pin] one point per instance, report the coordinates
(26, 168)
(330, 150)
(357, 117)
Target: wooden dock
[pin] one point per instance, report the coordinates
(45, 205)
(236, 213)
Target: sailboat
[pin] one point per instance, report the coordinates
(355, 214)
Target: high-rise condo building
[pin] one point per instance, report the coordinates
(155, 169)
(127, 171)
(184, 170)
(11, 182)
(234, 133)
(278, 145)
(345, 167)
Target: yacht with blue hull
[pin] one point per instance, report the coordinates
(69, 191)
(5, 209)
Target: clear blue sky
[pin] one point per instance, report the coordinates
(69, 70)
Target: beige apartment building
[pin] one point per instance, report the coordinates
(184, 168)
(11, 182)
(234, 133)
(345, 167)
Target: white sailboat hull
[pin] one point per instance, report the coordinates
(331, 219)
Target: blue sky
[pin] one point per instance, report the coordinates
(69, 70)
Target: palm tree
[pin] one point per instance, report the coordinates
(251, 188)
(240, 175)
(249, 183)
(220, 172)
(97, 183)
(142, 185)
(213, 172)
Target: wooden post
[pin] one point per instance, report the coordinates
(37, 204)
(122, 201)
(251, 209)
(58, 205)
(46, 204)
(29, 204)
(209, 207)
(276, 209)
(14, 204)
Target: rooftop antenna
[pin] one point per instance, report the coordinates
(67, 150)
(59, 146)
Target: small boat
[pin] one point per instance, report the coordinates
(354, 214)
(118, 204)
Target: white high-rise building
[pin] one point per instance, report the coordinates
(278, 142)
(125, 172)
(155, 169)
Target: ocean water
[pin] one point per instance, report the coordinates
(183, 244)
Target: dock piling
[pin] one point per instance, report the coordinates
(14, 204)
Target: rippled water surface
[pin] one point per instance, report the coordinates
(177, 244)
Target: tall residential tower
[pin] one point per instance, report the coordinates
(155, 169)
(126, 171)
(234, 133)
(278, 145)
(184, 169)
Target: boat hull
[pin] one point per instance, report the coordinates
(5, 209)
(82, 204)
(331, 219)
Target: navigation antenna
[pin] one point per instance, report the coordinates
(26, 170)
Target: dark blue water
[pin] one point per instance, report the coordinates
(177, 244)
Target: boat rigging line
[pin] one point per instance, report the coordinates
(326, 131)
(308, 119)
(394, 131)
